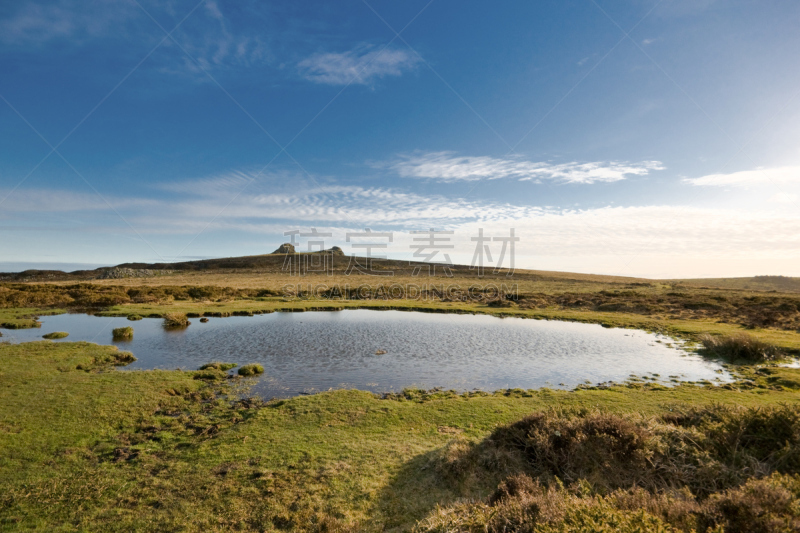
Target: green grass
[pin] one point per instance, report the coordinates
(251, 370)
(87, 447)
(56, 335)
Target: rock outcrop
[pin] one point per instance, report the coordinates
(288, 248)
(285, 248)
(335, 251)
(120, 273)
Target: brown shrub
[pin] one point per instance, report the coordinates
(769, 505)
(705, 450)
(607, 450)
(528, 506)
(698, 470)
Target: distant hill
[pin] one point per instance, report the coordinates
(755, 283)
(275, 262)
(338, 263)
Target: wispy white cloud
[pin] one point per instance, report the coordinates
(212, 43)
(226, 183)
(658, 241)
(38, 23)
(761, 176)
(47, 201)
(447, 166)
(362, 65)
(208, 36)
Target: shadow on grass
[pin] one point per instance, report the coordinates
(426, 481)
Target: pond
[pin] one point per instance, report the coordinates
(316, 351)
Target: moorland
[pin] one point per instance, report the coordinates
(85, 446)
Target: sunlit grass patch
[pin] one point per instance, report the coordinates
(56, 335)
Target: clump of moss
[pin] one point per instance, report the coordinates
(251, 370)
(204, 320)
(741, 347)
(56, 335)
(218, 366)
(133, 318)
(122, 334)
(175, 320)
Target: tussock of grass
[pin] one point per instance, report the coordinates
(122, 334)
(522, 504)
(740, 348)
(56, 335)
(218, 366)
(251, 370)
(175, 320)
(134, 317)
(695, 470)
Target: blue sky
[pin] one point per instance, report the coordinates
(649, 138)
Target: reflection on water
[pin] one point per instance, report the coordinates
(313, 351)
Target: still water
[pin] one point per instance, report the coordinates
(316, 351)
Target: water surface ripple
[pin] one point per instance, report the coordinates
(314, 351)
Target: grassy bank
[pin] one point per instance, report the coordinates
(87, 447)
(25, 317)
(690, 329)
(681, 309)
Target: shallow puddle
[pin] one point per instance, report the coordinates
(315, 351)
